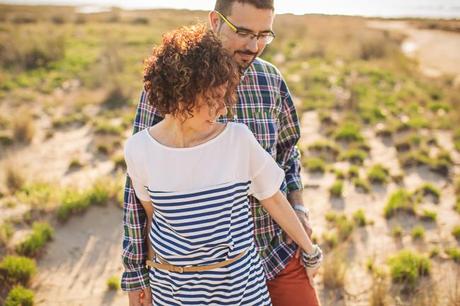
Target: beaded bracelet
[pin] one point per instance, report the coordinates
(314, 259)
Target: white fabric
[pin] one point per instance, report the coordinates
(232, 156)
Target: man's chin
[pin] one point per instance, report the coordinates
(245, 63)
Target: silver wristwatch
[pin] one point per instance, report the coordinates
(301, 208)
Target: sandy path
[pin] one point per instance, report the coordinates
(85, 252)
(437, 51)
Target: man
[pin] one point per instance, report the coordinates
(266, 107)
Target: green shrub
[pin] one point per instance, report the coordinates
(23, 19)
(72, 201)
(373, 48)
(113, 283)
(442, 164)
(418, 232)
(334, 272)
(116, 97)
(24, 128)
(331, 239)
(456, 232)
(428, 189)
(75, 163)
(457, 139)
(14, 176)
(36, 194)
(397, 231)
(107, 128)
(361, 185)
(354, 156)
(348, 132)
(77, 201)
(336, 189)
(26, 51)
(415, 158)
(19, 296)
(344, 227)
(418, 122)
(17, 269)
(330, 216)
(339, 174)
(378, 174)
(398, 178)
(64, 121)
(341, 223)
(429, 215)
(140, 20)
(41, 233)
(359, 217)
(119, 162)
(6, 139)
(434, 252)
(6, 232)
(315, 164)
(385, 132)
(454, 254)
(407, 143)
(407, 267)
(400, 200)
(99, 193)
(325, 150)
(353, 171)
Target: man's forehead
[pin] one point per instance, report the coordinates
(247, 16)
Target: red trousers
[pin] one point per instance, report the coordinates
(291, 287)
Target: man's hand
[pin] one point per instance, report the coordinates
(140, 297)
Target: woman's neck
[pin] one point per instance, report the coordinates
(174, 133)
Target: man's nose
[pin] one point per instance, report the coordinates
(253, 45)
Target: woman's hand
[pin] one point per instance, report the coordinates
(140, 297)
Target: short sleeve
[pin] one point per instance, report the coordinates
(139, 183)
(265, 174)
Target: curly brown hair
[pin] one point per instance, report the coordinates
(190, 62)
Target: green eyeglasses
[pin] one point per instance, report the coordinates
(266, 36)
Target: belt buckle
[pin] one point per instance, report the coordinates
(179, 269)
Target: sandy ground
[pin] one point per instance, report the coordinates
(437, 51)
(375, 241)
(56, 153)
(85, 252)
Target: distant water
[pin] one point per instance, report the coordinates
(370, 8)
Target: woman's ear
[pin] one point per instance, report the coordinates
(214, 21)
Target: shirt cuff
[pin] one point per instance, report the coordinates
(135, 280)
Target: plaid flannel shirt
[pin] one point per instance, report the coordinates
(266, 107)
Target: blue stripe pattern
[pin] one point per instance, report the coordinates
(202, 227)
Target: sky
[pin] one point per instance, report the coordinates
(382, 8)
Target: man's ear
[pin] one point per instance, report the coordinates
(214, 21)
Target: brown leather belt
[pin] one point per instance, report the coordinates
(180, 269)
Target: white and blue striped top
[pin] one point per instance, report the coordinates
(202, 214)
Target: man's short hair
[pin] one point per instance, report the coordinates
(225, 6)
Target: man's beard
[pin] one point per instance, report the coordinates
(243, 66)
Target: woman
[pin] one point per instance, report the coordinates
(193, 176)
